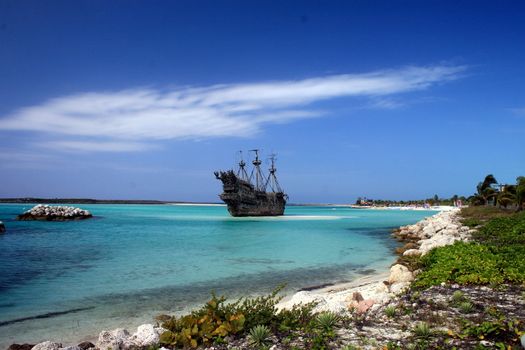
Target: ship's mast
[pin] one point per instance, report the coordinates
(272, 179)
(259, 178)
(241, 173)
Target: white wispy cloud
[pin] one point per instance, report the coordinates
(130, 120)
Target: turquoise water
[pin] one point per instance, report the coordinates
(132, 262)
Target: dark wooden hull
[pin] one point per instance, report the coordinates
(243, 200)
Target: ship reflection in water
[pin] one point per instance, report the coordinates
(253, 195)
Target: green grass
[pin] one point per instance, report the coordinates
(478, 215)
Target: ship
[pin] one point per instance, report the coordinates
(253, 195)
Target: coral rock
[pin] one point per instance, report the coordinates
(117, 339)
(400, 273)
(147, 335)
(54, 213)
(47, 345)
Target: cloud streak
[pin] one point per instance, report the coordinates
(129, 120)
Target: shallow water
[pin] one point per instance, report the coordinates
(132, 262)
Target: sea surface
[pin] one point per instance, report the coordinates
(67, 281)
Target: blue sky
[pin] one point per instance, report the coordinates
(145, 99)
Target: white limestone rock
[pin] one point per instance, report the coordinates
(436, 241)
(47, 345)
(412, 252)
(400, 273)
(147, 335)
(75, 347)
(331, 305)
(117, 339)
(399, 287)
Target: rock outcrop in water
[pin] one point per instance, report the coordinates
(54, 213)
(2, 227)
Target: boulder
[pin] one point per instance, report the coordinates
(382, 288)
(331, 305)
(20, 346)
(357, 296)
(399, 287)
(436, 241)
(411, 252)
(360, 306)
(86, 345)
(147, 335)
(47, 345)
(400, 273)
(364, 305)
(117, 339)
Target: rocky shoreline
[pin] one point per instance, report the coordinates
(363, 304)
(44, 212)
(438, 230)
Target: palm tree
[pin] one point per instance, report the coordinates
(485, 192)
(520, 192)
(506, 196)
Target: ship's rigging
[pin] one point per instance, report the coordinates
(253, 195)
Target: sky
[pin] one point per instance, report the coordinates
(146, 99)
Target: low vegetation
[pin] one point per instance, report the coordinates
(495, 256)
(254, 318)
(259, 335)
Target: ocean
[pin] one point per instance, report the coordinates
(67, 281)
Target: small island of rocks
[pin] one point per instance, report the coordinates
(54, 213)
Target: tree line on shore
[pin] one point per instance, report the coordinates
(488, 192)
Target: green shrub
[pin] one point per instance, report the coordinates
(296, 318)
(466, 307)
(218, 319)
(327, 320)
(506, 333)
(472, 263)
(259, 335)
(261, 310)
(503, 231)
(204, 326)
(422, 330)
(457, 297)
(390, 311)
(464, 263)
